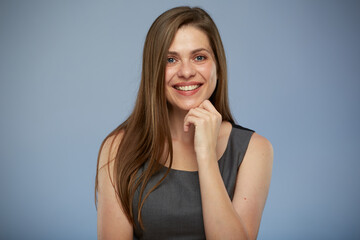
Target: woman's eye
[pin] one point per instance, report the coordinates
(200, 58)
(171, 60)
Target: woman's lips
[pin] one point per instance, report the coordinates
(187, 89)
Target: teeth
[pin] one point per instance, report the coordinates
(187, 88)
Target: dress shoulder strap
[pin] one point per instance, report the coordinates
(233, 156)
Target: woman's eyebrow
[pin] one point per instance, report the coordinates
(200, 49)
(192, 52)
(172, 53)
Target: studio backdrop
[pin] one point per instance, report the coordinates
(69, 74)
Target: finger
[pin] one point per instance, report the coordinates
(190, 120)
(201, 114)
(207, 105)
(202, 110)
(198, 112)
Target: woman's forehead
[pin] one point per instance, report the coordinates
(189, 38)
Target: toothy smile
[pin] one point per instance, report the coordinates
(188, 87)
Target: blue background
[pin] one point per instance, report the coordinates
(69, 73)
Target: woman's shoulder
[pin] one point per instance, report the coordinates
(260, 142)
(109, 148)
(260, 148)
(256, 142)
(241, 128)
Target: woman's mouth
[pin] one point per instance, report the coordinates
(187, 87)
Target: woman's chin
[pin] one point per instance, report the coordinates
(185, 106)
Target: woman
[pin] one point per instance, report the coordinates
(172, 169)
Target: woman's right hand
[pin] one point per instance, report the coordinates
(207, 121)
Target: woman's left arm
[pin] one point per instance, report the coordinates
(223, 218)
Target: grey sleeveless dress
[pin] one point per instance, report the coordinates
(173, 210)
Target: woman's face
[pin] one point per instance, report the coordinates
(190, 76)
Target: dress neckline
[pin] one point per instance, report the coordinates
(220, 159)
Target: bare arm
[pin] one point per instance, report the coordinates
(223, 218)
(239, 219)
(111, 221)
(253, 182)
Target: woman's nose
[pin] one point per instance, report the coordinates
(186, 70)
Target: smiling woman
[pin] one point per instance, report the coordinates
(190, 76)
(179, 165)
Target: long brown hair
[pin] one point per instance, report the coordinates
(146, 132)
